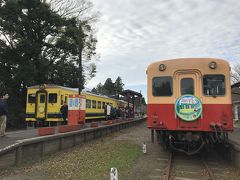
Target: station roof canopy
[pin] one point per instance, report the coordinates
(235, 85)
(130, 93)
(235, 89)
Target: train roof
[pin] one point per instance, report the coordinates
(51, 86)
(188, 62)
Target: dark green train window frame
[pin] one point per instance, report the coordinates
(164, 93)
(214, 94)
(182, 89)
(94, 104)
(88, 103)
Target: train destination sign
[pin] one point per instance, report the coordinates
(188, 107)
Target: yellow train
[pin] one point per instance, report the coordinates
(44, 102)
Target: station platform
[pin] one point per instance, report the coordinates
(19, 147)
(13, 136)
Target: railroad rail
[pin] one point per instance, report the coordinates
(205, 165)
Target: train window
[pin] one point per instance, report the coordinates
(103, 105)
(66, 99)
(42, 98)
(94, 104)
(99, 105)
(31, 98)
(162, 86)
(52, 98)
(187, 86)
(214, 85)
(88, 103)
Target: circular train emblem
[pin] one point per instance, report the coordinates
(188, 107)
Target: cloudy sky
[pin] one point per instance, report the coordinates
(133, 33)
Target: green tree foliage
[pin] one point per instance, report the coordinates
(94, 91)
(100, 89)
(64, 73)
(41, 45)
(109, 87)
(26, 27)
(79, 36)
(106, 89)
(118, 85)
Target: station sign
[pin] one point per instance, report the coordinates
(77, 102)
(188, 107)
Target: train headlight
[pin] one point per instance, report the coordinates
(162, 67)
(212, 65)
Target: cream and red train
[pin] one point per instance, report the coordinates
(189, 102)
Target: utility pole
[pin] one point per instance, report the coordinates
(80, 49)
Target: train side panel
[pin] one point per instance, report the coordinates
(44, 103)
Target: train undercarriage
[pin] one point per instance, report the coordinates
(190, 142)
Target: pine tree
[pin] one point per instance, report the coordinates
(109, 87)
(118, 85)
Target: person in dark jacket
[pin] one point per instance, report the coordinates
(3, 114)
(64, 111)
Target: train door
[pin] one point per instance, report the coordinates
(187, 83)
(41, 106)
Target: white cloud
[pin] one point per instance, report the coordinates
(134, 33)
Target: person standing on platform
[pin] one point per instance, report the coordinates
(3, 114)
(107, 111)
(64, 111)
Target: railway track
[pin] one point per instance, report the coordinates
(204, 166)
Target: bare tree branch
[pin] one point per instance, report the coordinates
(7, 39)
(235, 74)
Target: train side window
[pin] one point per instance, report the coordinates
(214, 85)
(42, 98)
(162, 86)
(88, 103)
(66, 99)
(94, 104)
(52, 98)
(99, 104)
(103, 105)
(187, 86)
(31, 98)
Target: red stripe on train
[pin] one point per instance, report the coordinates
(162, 116)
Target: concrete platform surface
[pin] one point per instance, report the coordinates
(13, 136)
